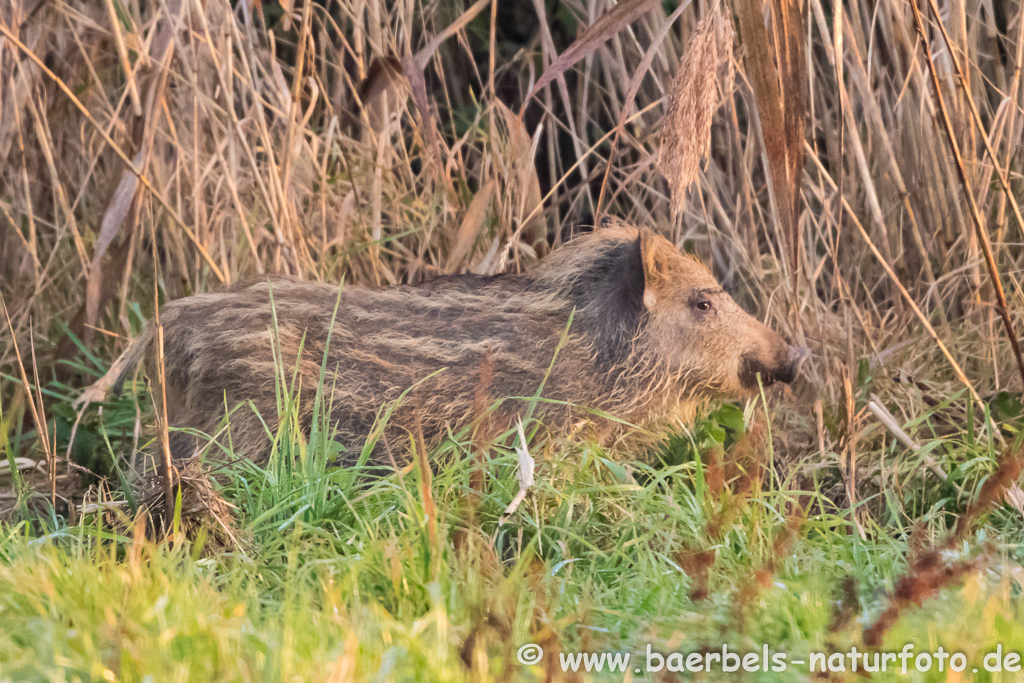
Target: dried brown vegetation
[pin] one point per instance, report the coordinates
(692, 101)
(167, 147)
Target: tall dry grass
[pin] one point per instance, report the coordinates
(167, 147)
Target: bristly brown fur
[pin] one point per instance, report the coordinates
(637, 348)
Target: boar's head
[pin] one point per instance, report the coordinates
(687, 321)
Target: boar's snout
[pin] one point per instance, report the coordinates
(781, 366)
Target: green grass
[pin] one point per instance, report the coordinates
(337, 574)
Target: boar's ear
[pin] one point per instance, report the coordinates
(637, 274)
(633, 281)
(643, 267)
(615, 286)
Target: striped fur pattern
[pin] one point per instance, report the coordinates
(652, 336)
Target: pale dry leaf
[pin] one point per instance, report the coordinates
(422, 56)
(526, 461)
(21, 464)
(110, 227)
(524, 475)
(780, 107)
(469, 230)
(606, 26)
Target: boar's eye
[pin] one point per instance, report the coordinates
(702, 305)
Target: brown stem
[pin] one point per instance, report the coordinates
(161, 376)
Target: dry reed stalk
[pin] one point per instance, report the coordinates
(1000, 171)
(46, 147)
(556, 64)
(44, 431)
(116, 149)
(167, 466)
(979, 226)
(862, 81)
(879, 410)
(37, 410)
(850, 450)
(607, 25)
(780, 110)
(836, 53)
(1013, 111)
(427, 51)
(629, 100)
(513, 156)
(793, 69)
(903, 291)
(293, 112)
(122, 53)
(236, 130)
(166, 469)
(565, 176)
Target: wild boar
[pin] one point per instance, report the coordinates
(617, 320)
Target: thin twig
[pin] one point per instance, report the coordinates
(122, 53)
(44, 429)
(36, 411)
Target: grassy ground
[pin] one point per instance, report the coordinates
(340, 574)
(149, 151)
(337, 578)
